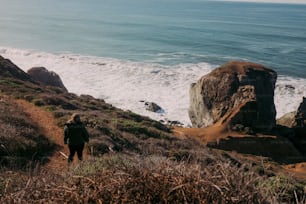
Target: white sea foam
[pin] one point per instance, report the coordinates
(124, 83)
(121, 83)
(289, 93)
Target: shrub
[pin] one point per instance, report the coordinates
(138, 129)
(284, 189)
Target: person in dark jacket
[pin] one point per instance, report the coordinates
(75, 135)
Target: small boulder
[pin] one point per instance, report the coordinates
(150, 106)
(289, 87)
(238, 127)
(49, 78)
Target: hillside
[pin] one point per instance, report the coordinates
(130, 158)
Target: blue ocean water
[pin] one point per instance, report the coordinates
(161, 31)
(129, 41)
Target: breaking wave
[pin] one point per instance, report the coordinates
(126, 83)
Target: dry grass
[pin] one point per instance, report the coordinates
(155, 179)
(20, 143)
(156, 170)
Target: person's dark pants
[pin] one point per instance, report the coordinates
(73, 149)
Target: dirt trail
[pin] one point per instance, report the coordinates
(47, 126)
(216, 132)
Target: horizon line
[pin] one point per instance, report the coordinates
(269, 1)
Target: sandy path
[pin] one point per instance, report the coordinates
(299, 170)
(47, 126)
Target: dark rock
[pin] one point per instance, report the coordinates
(46, 77)
(300, 128)
(295, 119)
(299, 139)
(150, 106)
(249, 131)
(9, 69)
(238, 127)
(232, 87)
(300, 117)
(295, 122)
(174, 123)
(288, 86)
(243, 115)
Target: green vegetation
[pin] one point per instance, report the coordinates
(139, 129)
(282, 188)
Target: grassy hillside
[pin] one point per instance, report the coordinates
(133, 159)
(20, 140)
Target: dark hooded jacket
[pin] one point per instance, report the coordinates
(75, 133)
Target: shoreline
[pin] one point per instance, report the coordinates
(166, 86)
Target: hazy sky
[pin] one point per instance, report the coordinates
(275, 1)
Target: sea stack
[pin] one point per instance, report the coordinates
(242, 90)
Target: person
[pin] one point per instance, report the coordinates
(75, 135)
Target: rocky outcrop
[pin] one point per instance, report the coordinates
(287, 120)
(242, 90)
(295, 119)
(299, 139)
(300, 117)
(9, 69)
(46, 77)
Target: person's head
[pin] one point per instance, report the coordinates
(75, 118)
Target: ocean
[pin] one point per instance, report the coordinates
(152, 50)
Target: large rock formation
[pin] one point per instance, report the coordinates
(46, 77)
(9, 69)
(243, 91)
